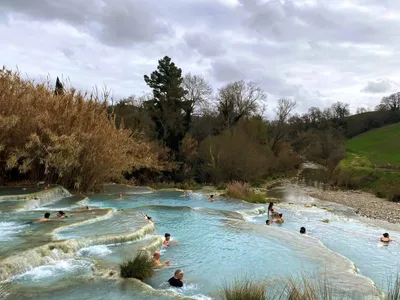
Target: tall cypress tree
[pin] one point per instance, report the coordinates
(168, 109)
(59, 90)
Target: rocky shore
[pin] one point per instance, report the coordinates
(365, 204)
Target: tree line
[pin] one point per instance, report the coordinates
(181, 132)
(221, 136)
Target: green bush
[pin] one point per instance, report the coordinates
(141, 267)
(244, 289)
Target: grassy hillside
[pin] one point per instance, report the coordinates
(373, 163)
(381, 146)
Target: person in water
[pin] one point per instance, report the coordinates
(274, 213)
(386, 238)
(185, 194)
(44, 219)
(211, 198)
(303, 230)
(61, 215)
(147, 217)
(156, 260)
(167, 241)
(82, 208)
(268, 222)
(279, 219)
(270, 207)
(176, 280)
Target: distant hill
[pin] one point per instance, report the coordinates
(372, 163)
(360, 123)
(381, 146)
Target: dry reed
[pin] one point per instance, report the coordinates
(68, 139)
(242, 190)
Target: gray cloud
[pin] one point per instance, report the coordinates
(316, 52)
(377, 87)
(116, 23)
(204, 43)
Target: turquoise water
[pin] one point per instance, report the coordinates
(217, 242)
(347, 236)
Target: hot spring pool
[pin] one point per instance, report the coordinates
(217, 242)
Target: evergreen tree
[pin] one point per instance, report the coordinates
(59, 87)
(168, 109)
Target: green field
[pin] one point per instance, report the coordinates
(372, 163)
(381, 146)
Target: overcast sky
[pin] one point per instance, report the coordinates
(314, 51)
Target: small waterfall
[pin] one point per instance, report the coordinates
(252, 212)
(58, 250)
(45, 197)
(35, 200)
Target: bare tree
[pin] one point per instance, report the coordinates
(283, 111)
(199, 92)
(340, 110)
(361, 110)
(238, 100)
(391, 102)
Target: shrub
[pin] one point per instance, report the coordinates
(141, 267)
(393, 292)
(68, 138)
(244, 289)
(242, 190)
(233, 155)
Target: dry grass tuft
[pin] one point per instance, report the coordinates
(67, 139)
(244, 289)
(242, 190)
(141, 267)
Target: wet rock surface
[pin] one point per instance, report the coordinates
(365, 204)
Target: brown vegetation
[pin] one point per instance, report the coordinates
(243, 190)
(66, 138)
(181, 132)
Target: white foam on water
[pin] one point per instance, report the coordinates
(9, 229)
(187, 290)
(97, 251)
(58, 269)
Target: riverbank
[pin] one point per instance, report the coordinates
(365, 204)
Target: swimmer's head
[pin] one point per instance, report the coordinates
(302, 230)
(386, 235)
(280, 215)
(60, 213)
(86, 207)
(268, 222)
(156, 255)
(179, 274)
(47, 215)
(167, 236)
